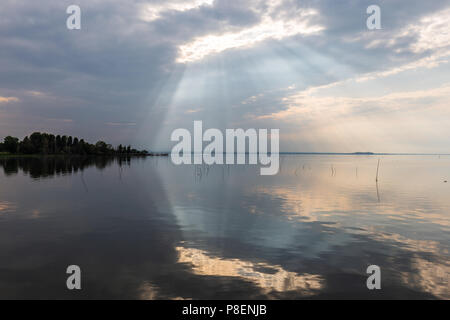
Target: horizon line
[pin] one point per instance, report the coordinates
(338, 153)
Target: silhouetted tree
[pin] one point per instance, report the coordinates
(58, 144)
(11, 144)
(63, 144)
(51, 143)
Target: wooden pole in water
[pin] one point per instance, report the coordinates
(378, 167)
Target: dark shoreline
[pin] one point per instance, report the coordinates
(19, 155)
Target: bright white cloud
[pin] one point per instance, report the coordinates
(153, 11)
(431, 61)
(432, 32)
(429, 33)
(310, 104)
(270, 27)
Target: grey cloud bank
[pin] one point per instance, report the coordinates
(123, 67)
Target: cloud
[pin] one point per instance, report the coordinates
(153, 11)
(432, 32)
(431, 61)
(340, 117)
(36, 93)
(8, 99)
(307, 104)
(123, 67)
(429, 33)
(61, 120)
(193, 111)
(121, 124)
(270, 27)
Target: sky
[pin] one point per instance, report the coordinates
(137, 70)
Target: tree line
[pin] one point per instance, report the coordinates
(45, 143)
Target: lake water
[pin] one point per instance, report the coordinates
(147, 229)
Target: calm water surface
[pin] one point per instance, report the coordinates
(146, 229)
